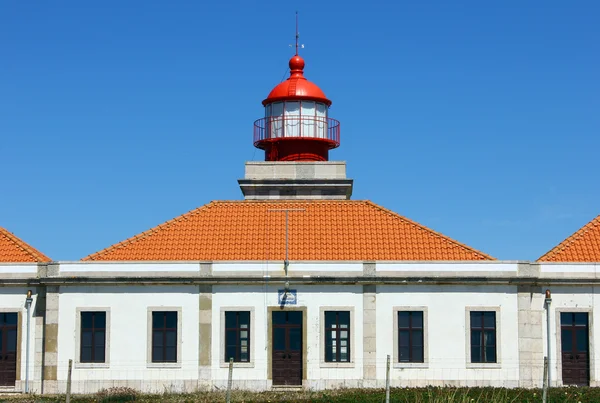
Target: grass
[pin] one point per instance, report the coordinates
(398, 395)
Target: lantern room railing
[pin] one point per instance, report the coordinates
(297, 127)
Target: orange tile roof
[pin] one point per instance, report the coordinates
(325, 230)
(582, 246)
(14, 250)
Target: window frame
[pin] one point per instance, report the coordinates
(396, 342)
(337, 329)
(498, 363)
(149, 342)
(238, 338)
(78, 330)
(222, 333)
(353, 330)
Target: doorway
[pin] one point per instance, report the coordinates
(8, 348)
(287, 348)
(574, 336)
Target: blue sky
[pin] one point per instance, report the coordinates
(478, 119)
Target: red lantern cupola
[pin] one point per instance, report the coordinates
(296, 126)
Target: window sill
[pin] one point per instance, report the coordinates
(337, 365)
(483, 365)
(163, 365)
(402, 365)
(238, 364)
(92, 365)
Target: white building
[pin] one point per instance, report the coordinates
(353, 284)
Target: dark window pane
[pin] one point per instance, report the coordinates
(489, 320)
(171, 319)
(489, 337)
(157, 354)
(86, 339)
(417, 338)
(475, 319)
(490, 354)
(86, 320)
(99, 354)
(404, 337)
(294, 318)
(86, 354)
(231, 337)
(330, 318)
(295, 339)
(158, 320)
(100, 320)
(403, 319)
(475, 354)
(403, 354)
(566, 341)
(2, 316)
(171, 338)
(157, 339)
(581, 319)
(328, 353)
(581, 335)
(244, 318)
(279, 338)
(230, 319)
(476, 338)
(11, 345)
(171, 354)
(417, 319)
(566, 318)
(11, 318)
(230, 352)
(279, 318)
(99, 338)
(417, 354)
(344, 318)
(1, 338)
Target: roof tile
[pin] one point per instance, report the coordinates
(582, 246)
(325, 230)
(15, 250)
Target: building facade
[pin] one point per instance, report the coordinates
(298, 286)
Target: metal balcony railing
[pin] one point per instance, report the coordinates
(297, 127)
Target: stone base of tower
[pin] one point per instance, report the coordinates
(296, 180)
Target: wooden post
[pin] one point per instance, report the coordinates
(229, 380)
(545, 387)
(387, 381)
(69, 381)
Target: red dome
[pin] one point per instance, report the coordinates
(296, 86)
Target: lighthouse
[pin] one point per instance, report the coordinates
(296, 134)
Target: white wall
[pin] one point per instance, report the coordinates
(311, 297)
(128, 334)
(448, 335)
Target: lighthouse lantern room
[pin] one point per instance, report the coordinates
(296, 126)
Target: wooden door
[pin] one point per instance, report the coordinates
(574, 334)
(287, 348)
(8, 348)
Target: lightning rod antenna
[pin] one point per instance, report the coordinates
(297, 34)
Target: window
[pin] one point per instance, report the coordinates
(164, 336)
(93, 337)
(483, 337)
(337, 336)
(410, 336)
(237, 336)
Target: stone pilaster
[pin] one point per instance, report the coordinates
(38, 314)
(530, 305)
(205, 336)
(369, 335)
(50, 356)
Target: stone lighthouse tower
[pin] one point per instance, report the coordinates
(296, 135)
